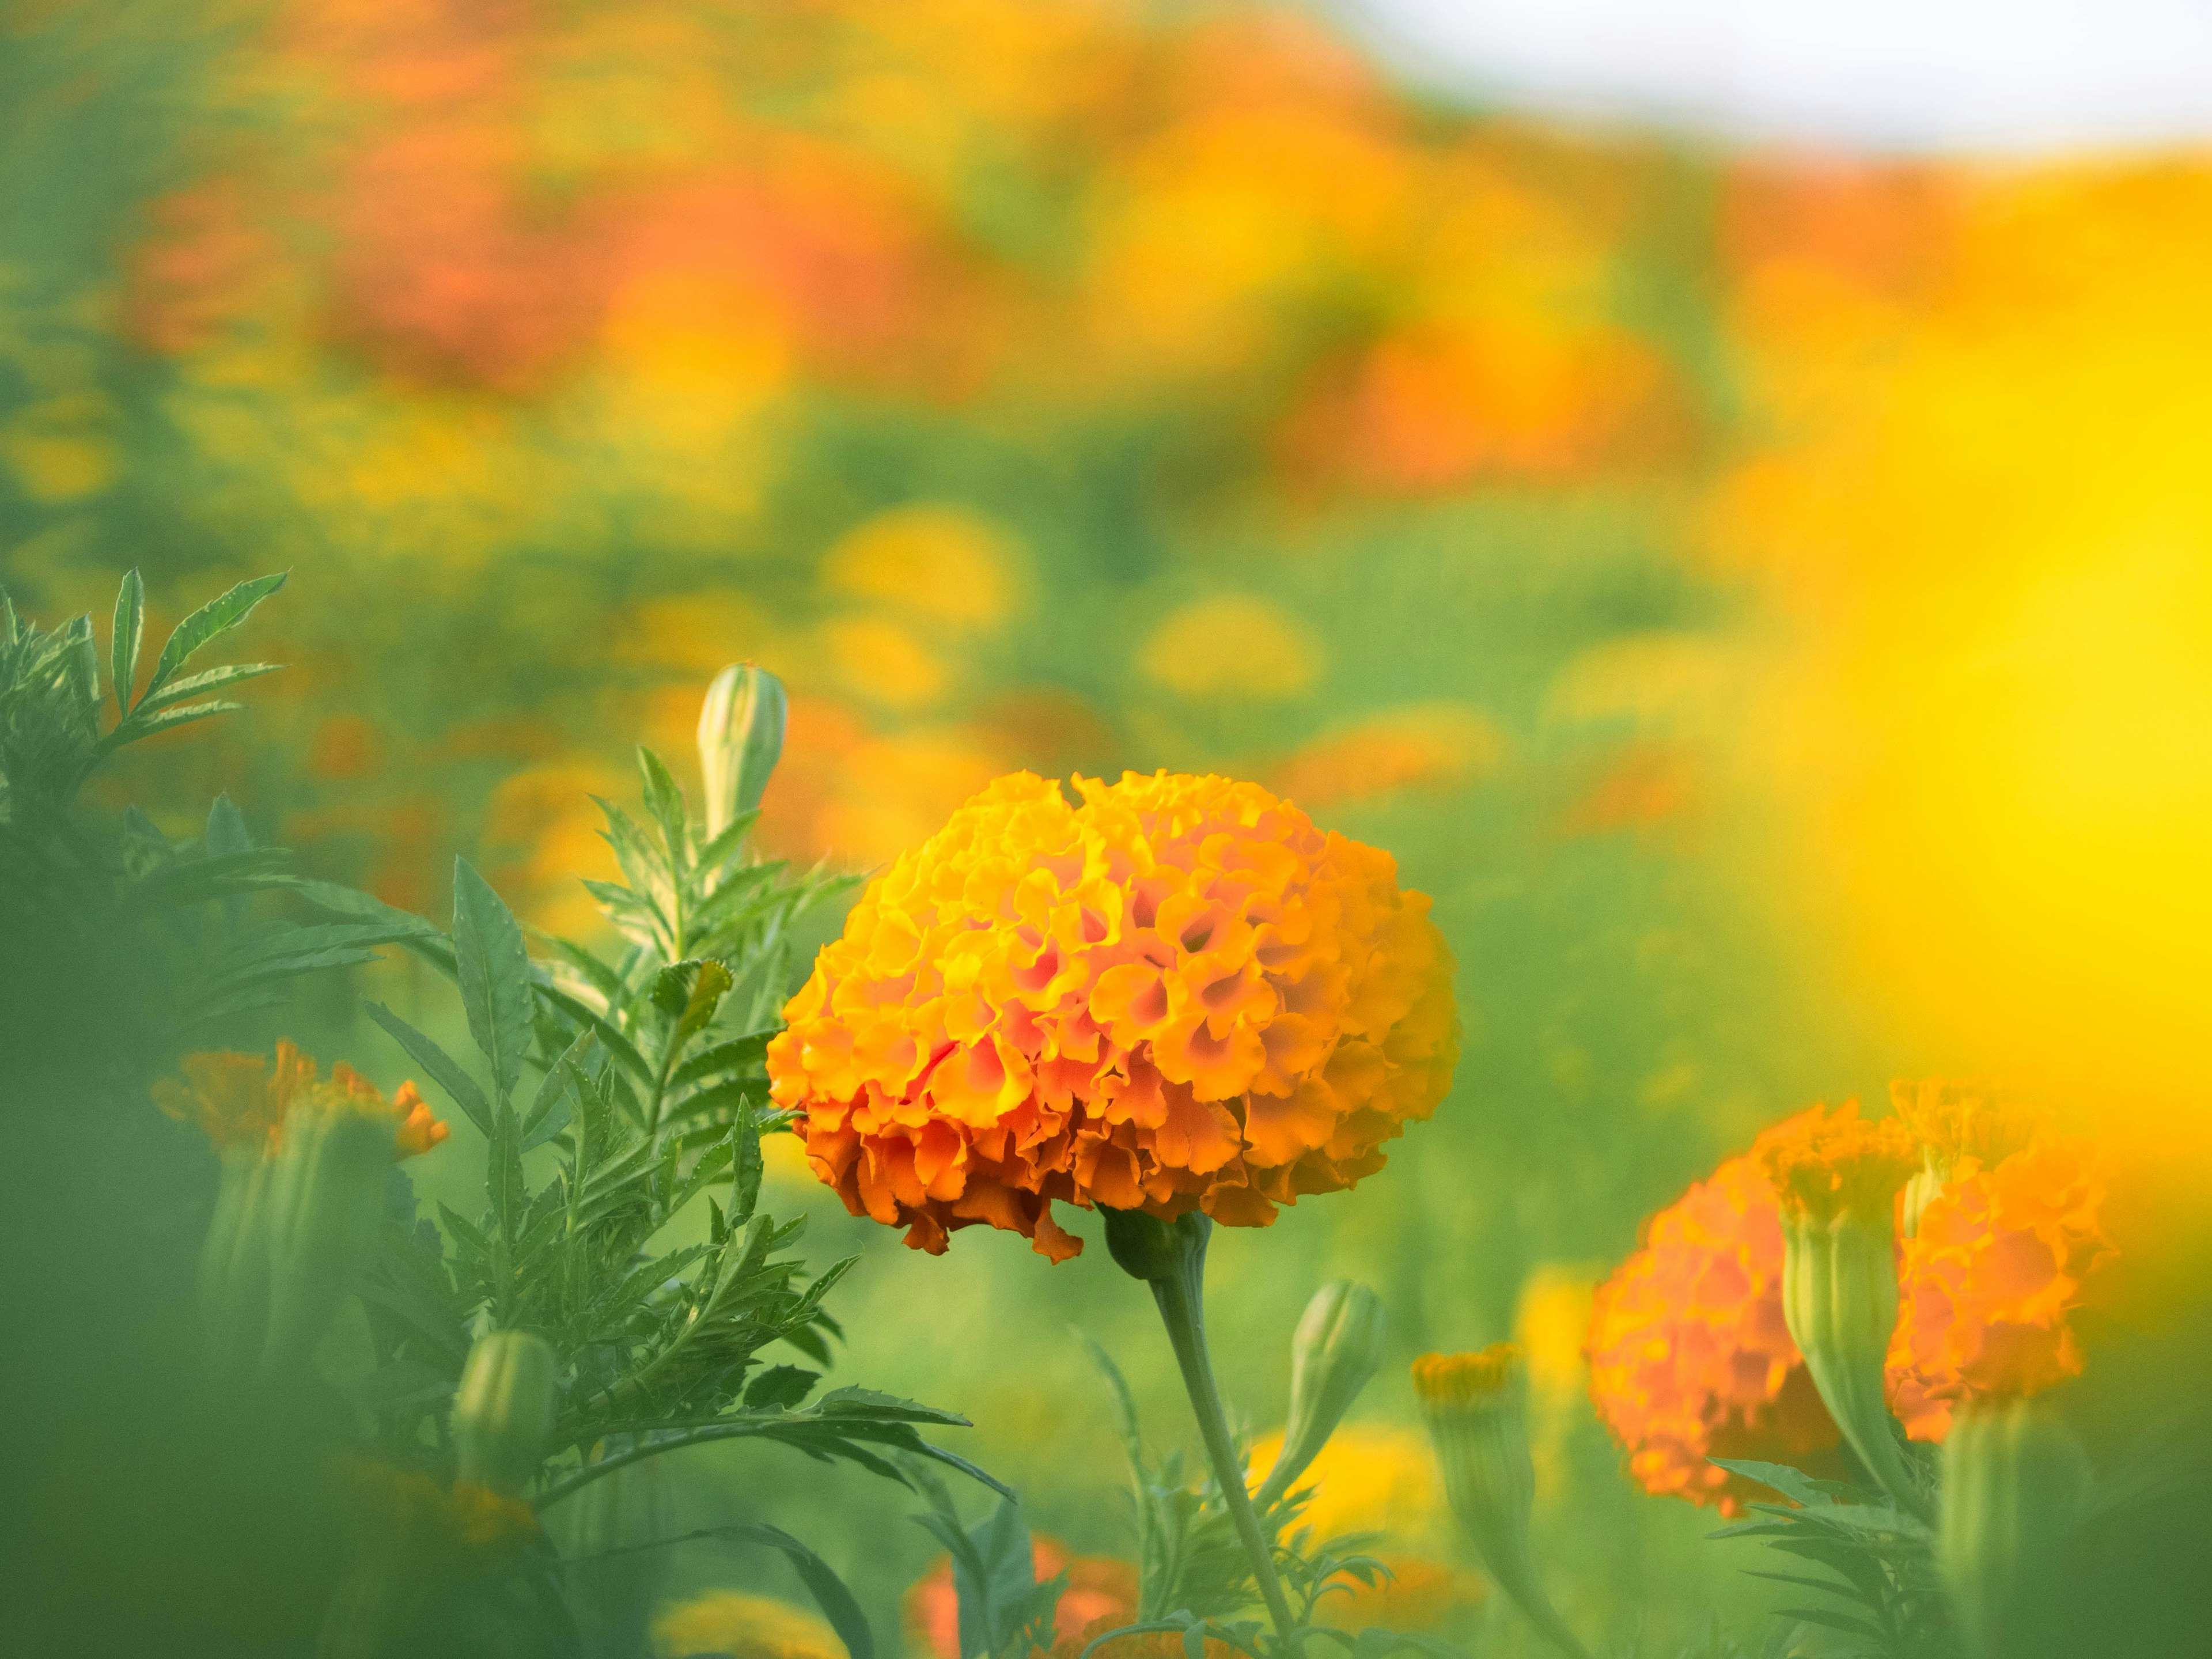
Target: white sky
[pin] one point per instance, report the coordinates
(2014, 76)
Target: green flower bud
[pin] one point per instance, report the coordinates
(1145, 1247)
(2016, 1483)
(1837, 1177)
(233, 1284)
(740, 740)
(1475, 1405)
(1839, 1299)
(325, 1197)
(1337, 1347)
(504, 1410)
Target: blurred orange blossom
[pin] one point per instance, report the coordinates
(242, 1100)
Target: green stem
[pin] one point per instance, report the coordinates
(1172, 1261)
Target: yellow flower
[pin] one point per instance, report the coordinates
(1369, 1478)
(241, 1100)
(1179, 996)
(742, 1626)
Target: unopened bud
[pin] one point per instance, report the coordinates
(1475, 1405)
(2016, 1480)
(1338, 1346)
(1839, 1300)
(740, 740)
(504, 1411)
(326, 1191)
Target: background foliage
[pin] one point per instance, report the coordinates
(1731, 584)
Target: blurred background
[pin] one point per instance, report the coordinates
(1720, 495)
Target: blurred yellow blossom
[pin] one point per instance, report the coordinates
(948, 563)
(1232, 646)
(740, 1626)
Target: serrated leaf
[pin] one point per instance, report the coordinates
(192, 685)
(664, 799)
(444, 1070)
(744, 1053)
(217, 616)
(781, 1386)
(494, 969)
(128, 629)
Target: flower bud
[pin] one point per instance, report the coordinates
(2016, 1480)
(1837, 1179)
(325, 1195)
(1145, 1247)
(1475, 1407)
(1337, 1347)
(740, 740)
(504, 1410)
(233, 1284)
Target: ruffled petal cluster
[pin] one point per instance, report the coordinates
(2001, 1259)
(1177, 994)
(1826, 1162)
(1690, 1357)
(242, 1100)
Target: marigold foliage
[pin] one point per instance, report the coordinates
(1179, 994)
(1690, 1356)
(1826, 1162)
(242, 1100)
(2001, 1258)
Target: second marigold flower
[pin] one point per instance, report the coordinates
(1177, 995)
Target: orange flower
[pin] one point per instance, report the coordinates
(2000, 1261)
(1101, 1592)
(1178, 996)
(1825, 1162)
(242, 1100)
(1690, 1357)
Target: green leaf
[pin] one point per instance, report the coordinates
(494, 969)
(138, 728)
(728, 843)
(193, 685)
(444, 1070)
(549, 1107)
(664, 799)
(130, 627)
(746, 1053)
(689, 993)
(1793, 1484)
(226, 829)
(781, 1386)
(217, 616)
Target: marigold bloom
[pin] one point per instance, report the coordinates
(1826, 1162)
(1101, 1591)
(1689, 1356)
(2001, 1258)
(1178, 996)
(241, 1100)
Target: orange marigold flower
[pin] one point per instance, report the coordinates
(1690, 1357)
(1826, 1162)
(1179, 994)
(1101, 1591)
(242, 1100)
(2001, 1258)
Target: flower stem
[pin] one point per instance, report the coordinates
(1172, 1259)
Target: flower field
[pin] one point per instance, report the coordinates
(1344, 706)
